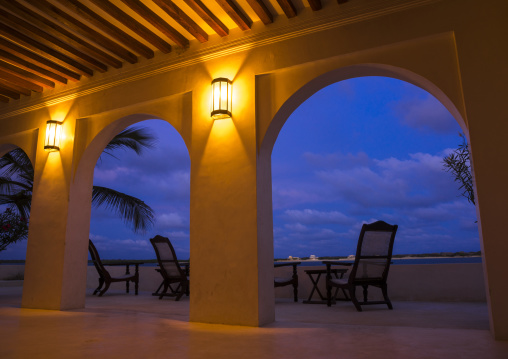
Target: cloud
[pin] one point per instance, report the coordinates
(170, 220)
(413, 192)
(392, 182)
(288, 195)
(112, 174)
(161, 160)
(442, 212)
(310, 216)
(298, 227)
(344, 161)
(125, 248)
(426, 114)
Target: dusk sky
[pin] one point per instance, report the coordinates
(357, 151)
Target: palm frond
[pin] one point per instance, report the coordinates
(459, 164)
(16, 181)
(16, 163)
(8, 185)
(21, 201)
(131, 209)
(135, 139)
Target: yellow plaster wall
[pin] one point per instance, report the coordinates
(454, 49)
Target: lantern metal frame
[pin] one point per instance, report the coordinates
(221, 98)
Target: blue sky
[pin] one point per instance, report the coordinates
(355, 152)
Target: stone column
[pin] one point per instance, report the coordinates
(55, 271)
(231, 250)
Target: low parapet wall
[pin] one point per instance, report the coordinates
(462, 282)
(455, 282)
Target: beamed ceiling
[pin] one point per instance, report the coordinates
(50, 43)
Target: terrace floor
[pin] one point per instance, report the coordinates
(121, 325)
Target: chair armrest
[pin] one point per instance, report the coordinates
(127, 265)
(286, 264)
(329, 265)
(337, 263)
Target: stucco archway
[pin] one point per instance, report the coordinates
(342, 74)
(73, 282)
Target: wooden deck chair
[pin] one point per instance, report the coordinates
(170, 269)
(106, 278)
(371, 265)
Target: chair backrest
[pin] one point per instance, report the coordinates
(97, 260)
(166, 257)
(374, 252)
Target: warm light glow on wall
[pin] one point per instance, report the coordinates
(221, 98)
(53, 135)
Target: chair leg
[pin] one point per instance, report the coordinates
(164, 290)
(295, 291)
(352, 293)
(179, 295)
(365, 293)
(328, 295)
(183, 288)
(136, 286)
(105, 289)
(384, 289)
(98, 289)
(156, 293)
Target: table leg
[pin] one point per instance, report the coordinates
(136, 284)
(314, 286)
(127, 271)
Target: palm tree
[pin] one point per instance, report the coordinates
(17, 177)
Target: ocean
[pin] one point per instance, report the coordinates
(428, 260)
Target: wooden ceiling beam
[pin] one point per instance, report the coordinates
(235, 14)
(19, 81)
(212, 20)
(59, 32)
(76, 25)
(4, 99)
(15, 88)
(182, 18)
(29, 76)
(315, 5)
(43, 50)
(9, 93)
(54, 43)
(31, 67)
(41, 61)
(159, 23)
(133, 25)
(261, 10)
(288, 8)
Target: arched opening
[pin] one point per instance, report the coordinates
(306, 209)
(367, 148)
(159, 177)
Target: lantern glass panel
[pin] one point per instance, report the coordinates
(53, 134)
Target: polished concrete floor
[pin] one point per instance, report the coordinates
(121, 325)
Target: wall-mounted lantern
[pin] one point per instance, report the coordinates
(221, 98)
(53, 134)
